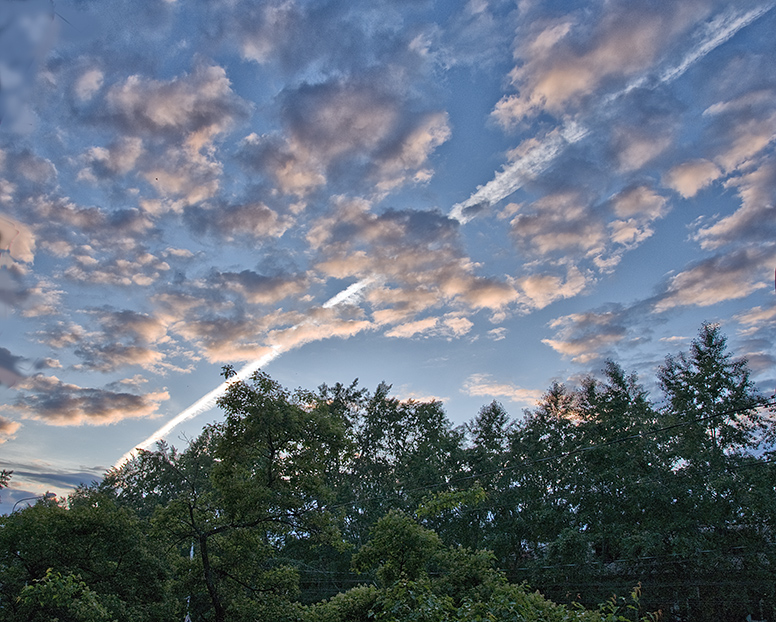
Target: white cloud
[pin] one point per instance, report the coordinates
(89, 82)
(755, 220)
(727, 276)
(410, 329)
(540, 290)
(7, 429)
(482, 385)
(690, 177)
(561, 62)
(17, 240)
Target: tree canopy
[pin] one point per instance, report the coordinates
(343, 504)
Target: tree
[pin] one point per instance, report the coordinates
(539, 495)
(401, 450)
(244, 493)
(713, 397)
(423, 580)
(5, 478)
(61, 598)
(92, 537)
(723, 484)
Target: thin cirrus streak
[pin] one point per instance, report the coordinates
(512, 177)
(208, 401)
(505, 182)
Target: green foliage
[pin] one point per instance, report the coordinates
(439, 503)
(296, 496)
(104, 544)
(355, 605)
(398, 549)
(61, 598)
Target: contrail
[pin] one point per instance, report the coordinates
(506, 181)
(718, 31)
(208, 401)
(512, 177)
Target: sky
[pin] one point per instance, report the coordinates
(467, 200)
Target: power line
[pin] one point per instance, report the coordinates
(561, 456)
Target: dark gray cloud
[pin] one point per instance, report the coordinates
(49, 399)
(127, 338)
(255, 288)
(239, 222)
(349, 133)
(10, 373)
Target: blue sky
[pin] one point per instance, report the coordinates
(468, 200)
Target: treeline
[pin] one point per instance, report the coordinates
(345, 504)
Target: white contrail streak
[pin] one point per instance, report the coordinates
(506, 181)
(718, 31)
(208, 401)
(512, 177)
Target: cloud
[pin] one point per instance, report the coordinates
(63, 225)
(742, 127)
(61, 335)
(563, 60)
(407, 157)
(125, 339)
(43, 299)
(498, 334)
(138, 268)
(319, 324)
(585, 337)
(639, 200)
(7, 429)
(726, 276)
(757, 316)
(409, 329)
(690, 177)
(48, 399)
(482, 385)
(88, 83)
(349, 132)
(257, 288)
(9, 372)
(637, 147)
(238, 221)
(527, 161)
(336, 118)
(118, 158)
(450, 326)
(539, 290)
(30, 172)
(13, 293)
(413, 250)
(561, 223)
(17, 240)
(221, 337)
(178, 119)
(198, 105)
(755, 220)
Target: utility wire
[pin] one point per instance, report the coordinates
(560, 456)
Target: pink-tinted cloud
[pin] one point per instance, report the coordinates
(482, 385)
(690, 177)
(727, 276)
